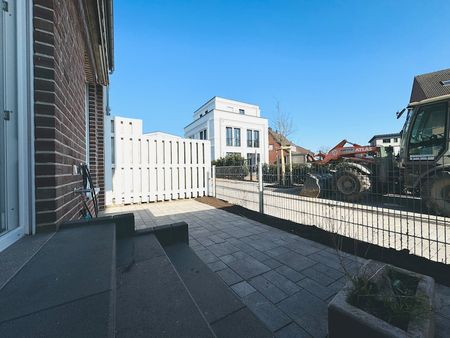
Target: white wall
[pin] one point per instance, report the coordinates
(216, 121)
(153, 167)
(378, 142)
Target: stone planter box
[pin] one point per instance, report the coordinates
(345, 320)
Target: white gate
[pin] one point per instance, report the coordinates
(152, 167)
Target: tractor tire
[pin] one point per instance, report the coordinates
(437, 194)
(351, 185)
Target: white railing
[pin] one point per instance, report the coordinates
(153, 167)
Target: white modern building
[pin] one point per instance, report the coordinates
(231, 127)
(387, 140)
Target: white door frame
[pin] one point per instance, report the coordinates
(25, 120)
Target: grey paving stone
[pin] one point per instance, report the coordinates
(303, 248)
(442, 326)
(316, 289)
(268, 313)
(281, 282)
(217, 266)
(318, 276)
(336, 287)
(269, 290)
(227, 258)
(216, 239)
(272, 263)
(242, 323)
(206, 256)
(295, 261)
(442, 300)
(308, 311)
(229, 276)
(248, 267)
(277, 251)
(333, 273)
(258, 255)
(289, 273)
(243, 289)
(292, 331)
(222, 249)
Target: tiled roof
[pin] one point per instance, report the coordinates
(430, 85)
(284, 141)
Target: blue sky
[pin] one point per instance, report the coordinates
(340, 68)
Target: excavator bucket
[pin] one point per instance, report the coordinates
(316, 185)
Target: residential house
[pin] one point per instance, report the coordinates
(387, 140)
(56, 57)
(276, 140)
(231, 127)
(430, 85)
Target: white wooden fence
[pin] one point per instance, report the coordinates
(153, 167)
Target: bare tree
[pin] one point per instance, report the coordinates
(284, 124)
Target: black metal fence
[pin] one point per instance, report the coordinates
(392, 206)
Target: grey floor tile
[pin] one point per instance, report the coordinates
(277, 251)
(248, 267)
(289, 273)
(272, 263)
(281, 282)
(316, 289)
(269, 290)
(318, 276)
(292, 331)
(296, 261)
(217, 266)
(268, 313)
(243, 289)
(308, 311)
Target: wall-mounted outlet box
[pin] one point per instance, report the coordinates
(75, 170)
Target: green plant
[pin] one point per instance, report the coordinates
(230, 160)
(232, 166)
(392, 298)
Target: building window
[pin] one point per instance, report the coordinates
(270, 147)
(249, 138)
(386, 140)
(229, 136)
(396, 139)
(203, 135)
(242, 111)
(256, 139)
(237, 137)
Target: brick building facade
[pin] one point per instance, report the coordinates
(276, 140)
(55, 61)
(70, 77)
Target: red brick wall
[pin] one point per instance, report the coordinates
(60, 101)
(273, 152)
(96, 141)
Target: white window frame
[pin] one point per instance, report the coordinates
(25, 125)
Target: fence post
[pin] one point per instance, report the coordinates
(213, 177)
(260, 188)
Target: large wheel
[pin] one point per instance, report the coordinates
(351, 184)
(437, 194)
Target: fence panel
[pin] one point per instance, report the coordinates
(387, 216)
(155, 166)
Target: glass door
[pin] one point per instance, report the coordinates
(9, 209)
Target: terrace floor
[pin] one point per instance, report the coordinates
(287, 281)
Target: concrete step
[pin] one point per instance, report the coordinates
(65, 289)
(225, 313)
(151, 300)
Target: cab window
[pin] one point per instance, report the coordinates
(428, 134)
